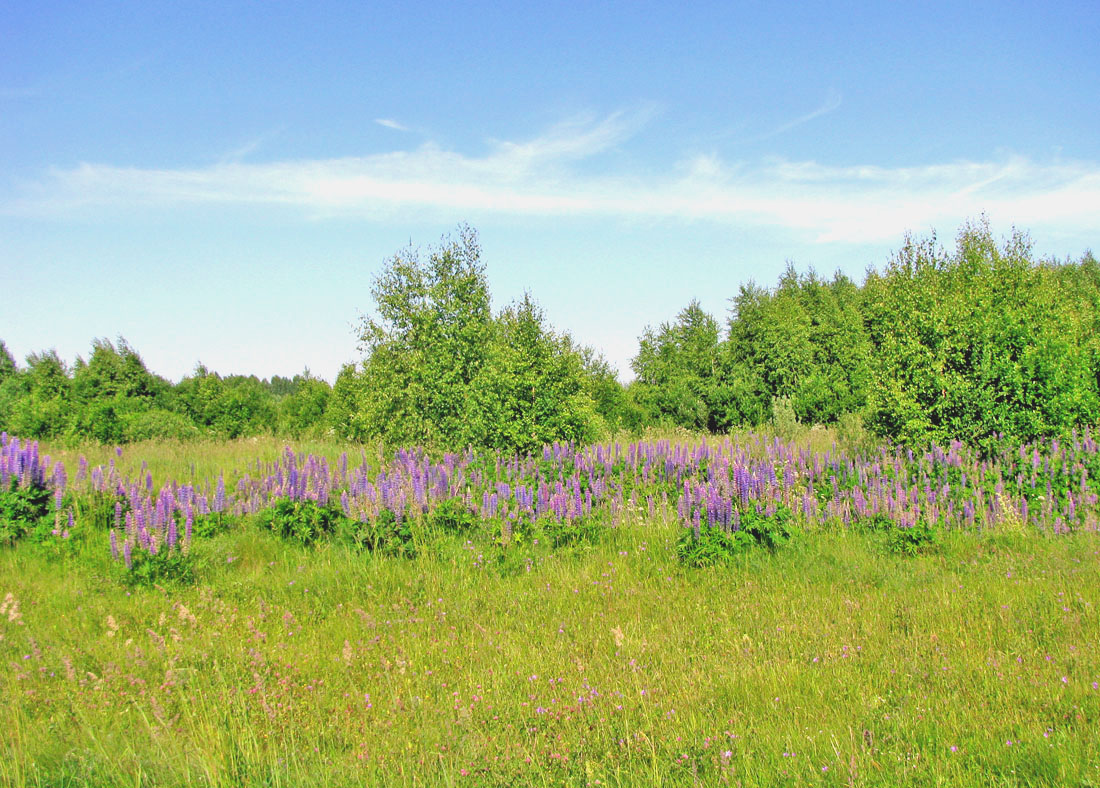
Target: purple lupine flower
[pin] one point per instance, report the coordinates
(59, 485)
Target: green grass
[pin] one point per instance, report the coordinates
(829, 662)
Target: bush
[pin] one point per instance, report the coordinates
(770, 531)
(568, 533)
(452, 516)
(716, 546)
(164, 567)
(159, 424)
(21, 508)
(784, 420)
(210, 524)
(303, 522)
(385, 534)
(712, 547)
(852, 435)
(912, 540)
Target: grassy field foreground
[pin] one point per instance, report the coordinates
(830, 662)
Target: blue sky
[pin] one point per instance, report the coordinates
(220, 182)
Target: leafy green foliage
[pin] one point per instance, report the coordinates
(228, 407)
(911, 540)
(676, 368)
(21, 508)
(712, 547)
(805, 340)
(532, 390)
(452, 516)
(204, 526)
(304, 522)
(385, 535)
(429, 341)
(715, 545)
(302, 409)
(571, 533)
(166, 567)
(784, 419)
(985, 345)
(982, 343)
(769, 531)
(442, 371)
(7, 363)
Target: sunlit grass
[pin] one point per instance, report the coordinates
(831, 662)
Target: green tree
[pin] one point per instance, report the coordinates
(981, 344)
(675, 368)
(8, 367)
(804, 342)
(229, 407)
(41, 397)
(428, 342)
(113, 389)
(344, 413)
(613, 404)
(533, 390)
(302, 410)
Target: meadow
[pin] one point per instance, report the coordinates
(678, 610)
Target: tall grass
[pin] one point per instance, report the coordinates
(831, 662)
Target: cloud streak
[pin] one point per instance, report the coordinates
(832, 102)
(390, 123)
(550, 177)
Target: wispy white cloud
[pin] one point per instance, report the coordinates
(249, 147)
(548, 176)
(832, 102)
(390, 123)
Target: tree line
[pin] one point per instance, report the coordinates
(983, 343)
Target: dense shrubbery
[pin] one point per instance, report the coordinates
(985, 345)
(113, 398)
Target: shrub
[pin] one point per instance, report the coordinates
(715, 545)
(452, 516)
(164, 566)
(385, 534)
(210, 524)
(784, 420)
(770, 531)
(911, 540)
(568, 533)
(303, 522)
(159, 424)
(21, 507)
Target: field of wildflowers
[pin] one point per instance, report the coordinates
(699, 612)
